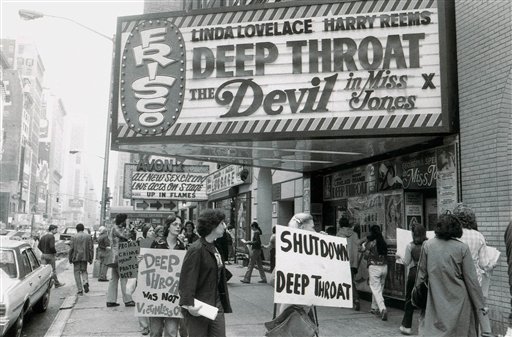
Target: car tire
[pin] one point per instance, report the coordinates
(43, 302)
(17, 328)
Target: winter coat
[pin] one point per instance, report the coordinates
(352, 245)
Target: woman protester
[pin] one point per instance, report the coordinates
(168, 326)
(190, 235)
(376, 250)
(119, 234)
(203, 278)
(255, 257)
(411, 258)
(455, 302)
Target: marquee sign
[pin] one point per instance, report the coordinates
(264, 72)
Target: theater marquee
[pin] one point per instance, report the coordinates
(331, 69)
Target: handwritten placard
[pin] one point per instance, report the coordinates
(157, 294)
(128, 265)
(312, 269)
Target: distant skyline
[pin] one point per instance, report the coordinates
(77, 61)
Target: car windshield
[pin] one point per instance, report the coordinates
(8, 263)
(70, 230)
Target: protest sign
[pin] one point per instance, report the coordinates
(156, 294)
(312, 269)
(128, 265)
(403, 237)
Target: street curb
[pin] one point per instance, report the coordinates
(60, 320)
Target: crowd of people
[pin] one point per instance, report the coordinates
(455, 265)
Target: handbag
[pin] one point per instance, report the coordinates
(292, 322)
(110, 258)
(419, 295)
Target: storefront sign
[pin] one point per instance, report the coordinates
(419, 170)
(350, 183)
(175, 185)
(157, 283)
(225, 178)
(334, 69)
(312, 269)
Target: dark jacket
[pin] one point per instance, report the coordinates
(47, 244)
(81, 248)
(198, 277)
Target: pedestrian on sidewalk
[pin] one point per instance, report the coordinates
(81, 252)
(455, 302)
(348, 233)
(102, 251)
(376, 250)
(47, 247)
(411, 258)
(118, 234)
(255, 255)
(203, 277)
(168, 326)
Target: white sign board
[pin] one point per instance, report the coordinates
(312, 269)
(157, 294)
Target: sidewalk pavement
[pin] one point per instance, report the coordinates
(252, 306)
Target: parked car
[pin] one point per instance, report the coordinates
(70, 232)
(25, 285)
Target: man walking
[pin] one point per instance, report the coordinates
(81, 253)
(47, 247)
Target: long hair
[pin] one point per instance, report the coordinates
(419, 234)
(376, 234)
(257, 227)
(448, 227)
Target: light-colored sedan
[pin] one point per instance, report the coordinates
(25, 284)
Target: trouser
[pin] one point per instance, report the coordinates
(50, 259)
(80, 272)
(355, 293)
(112, 287)
(103, 270)
(272, 259)
(377, 276)
(163, 326)
(408, 307)
(255, 259)
(199, 326)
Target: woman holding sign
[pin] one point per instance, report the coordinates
(167, 326)
(203, 279)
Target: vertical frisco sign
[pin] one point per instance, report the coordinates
(152, 77)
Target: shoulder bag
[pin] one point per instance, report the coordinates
(292, 322)
(419, 295)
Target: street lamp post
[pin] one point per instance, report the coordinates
(27, 14)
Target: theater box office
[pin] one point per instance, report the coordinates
(336, 90)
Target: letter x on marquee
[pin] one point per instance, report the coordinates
(428, 81)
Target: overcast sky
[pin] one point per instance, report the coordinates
(77, 61)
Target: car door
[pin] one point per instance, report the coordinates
(40, 273)
(31, 278)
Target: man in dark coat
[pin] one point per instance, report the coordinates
(81, 253)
